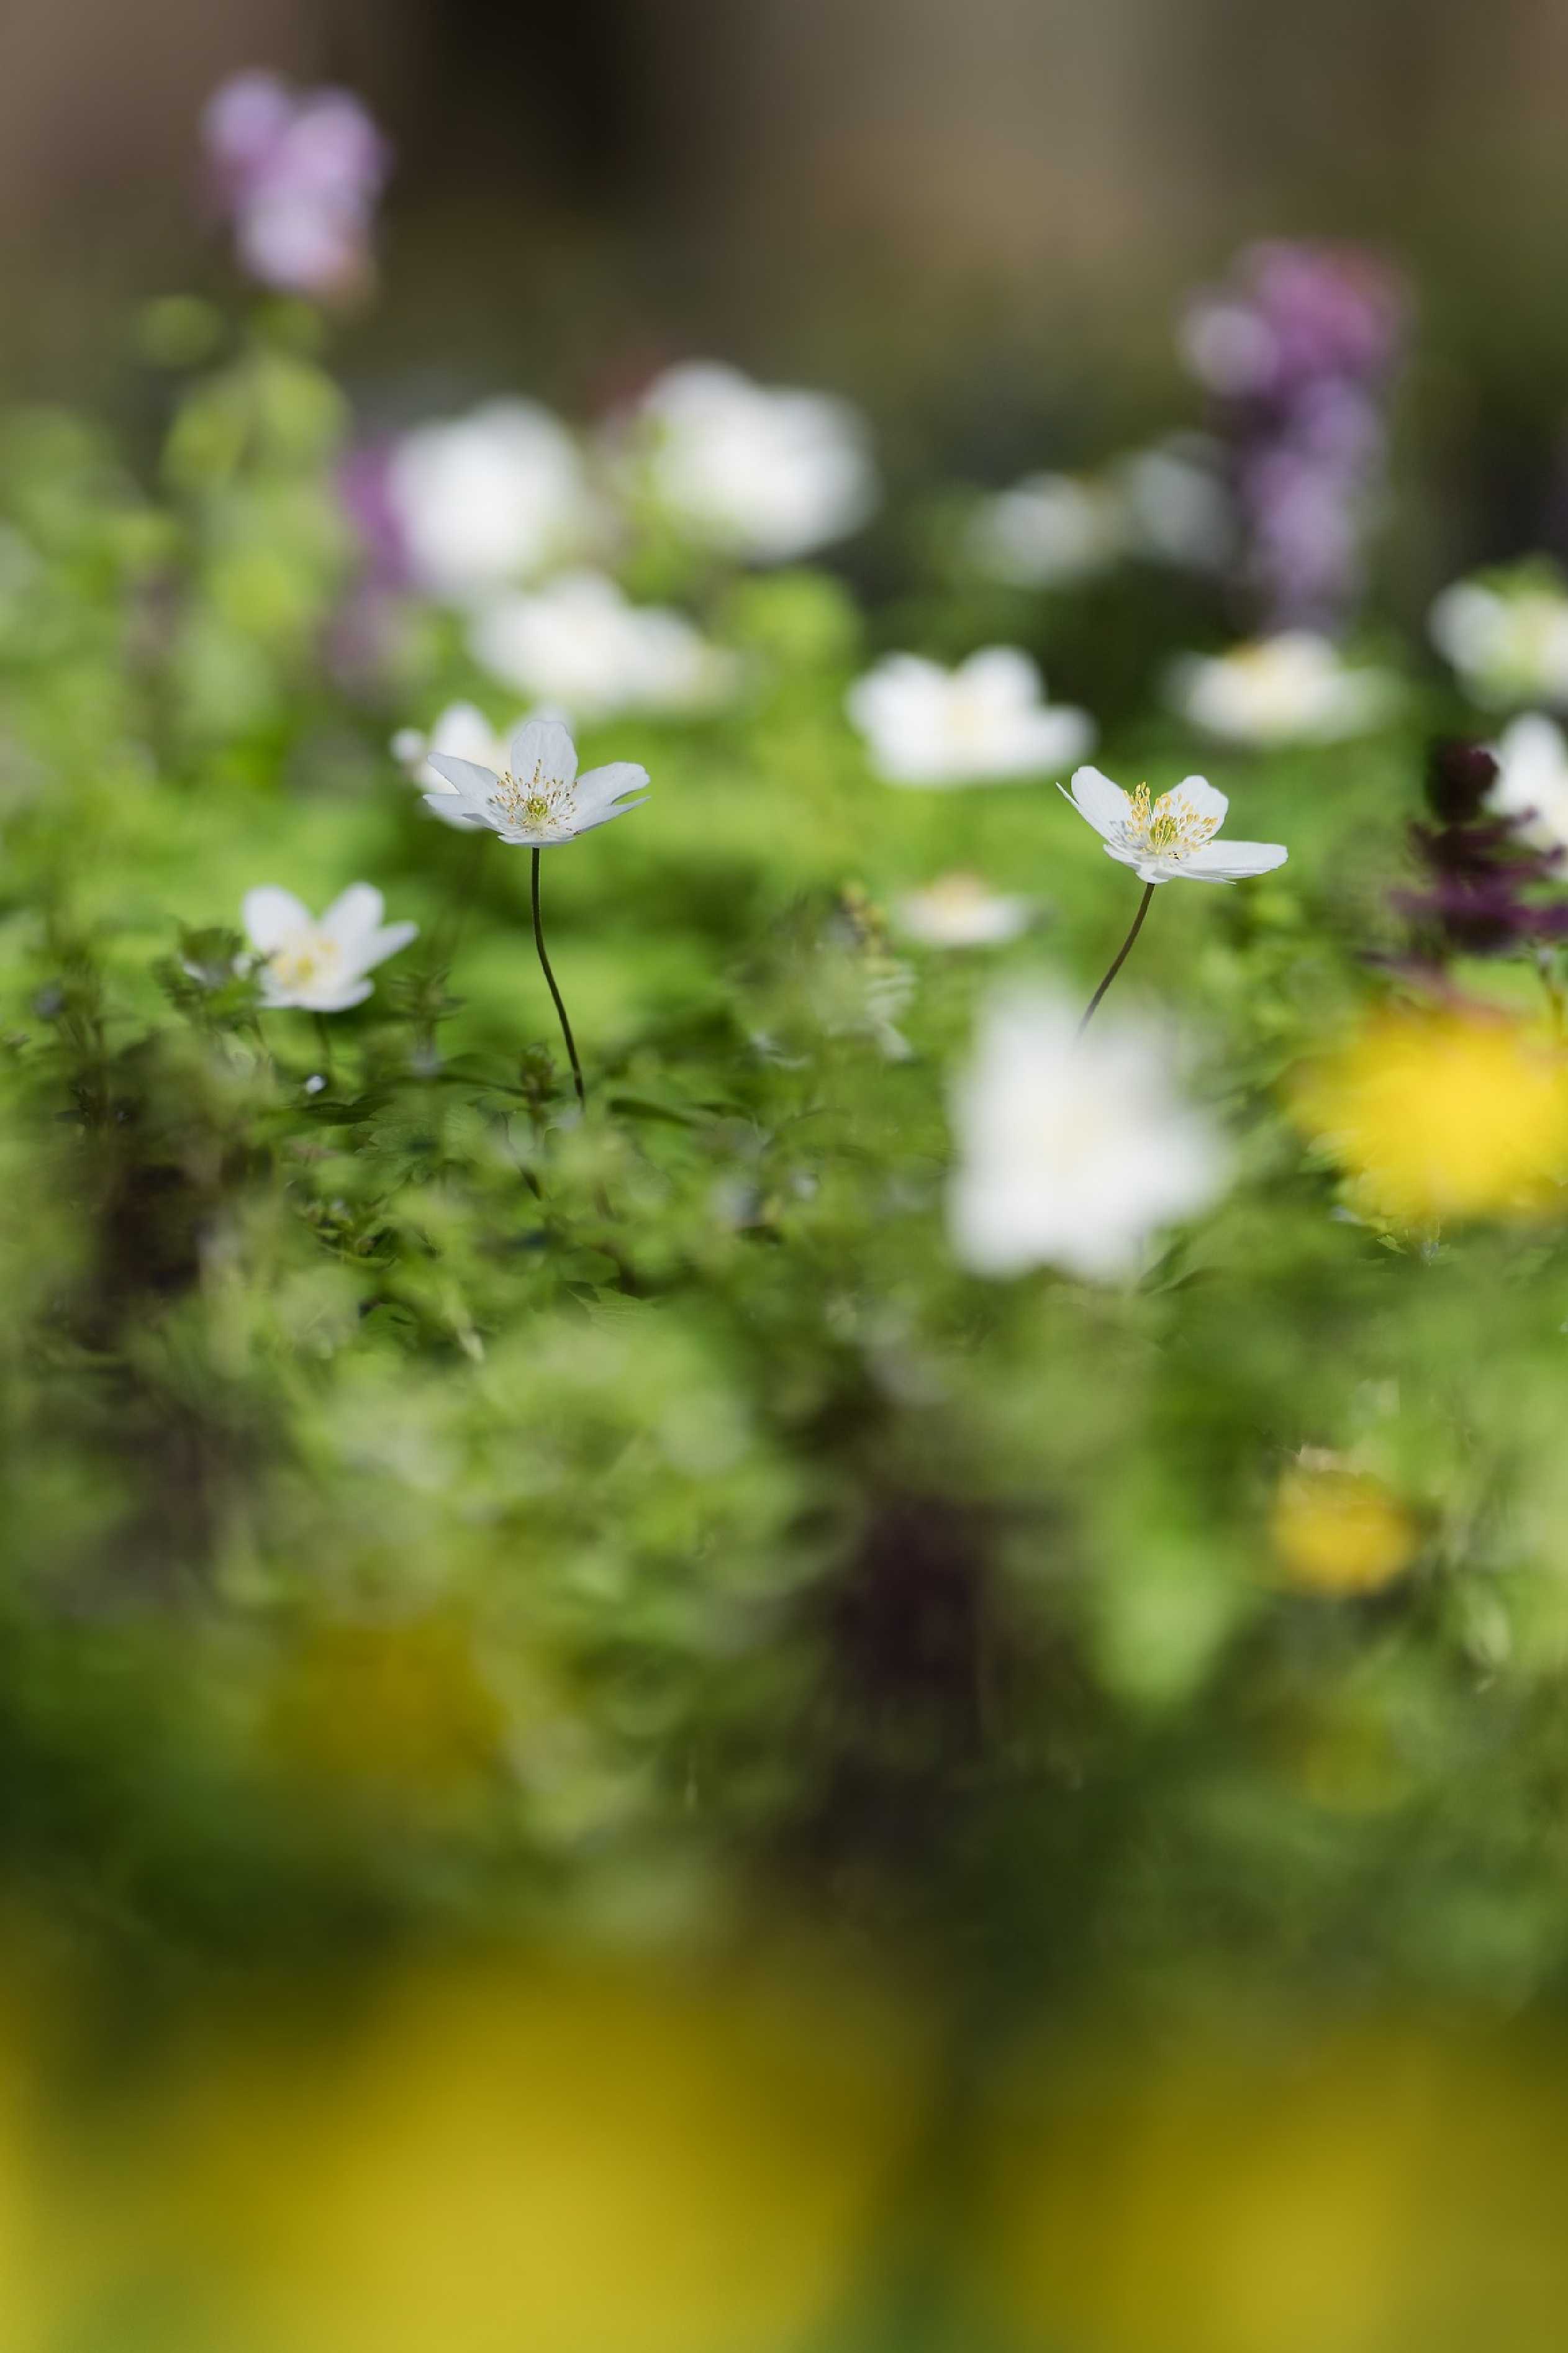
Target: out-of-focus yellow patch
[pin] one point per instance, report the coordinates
(1338, 1531)
(397, 1707)
(1382, 2190)
(1440, 1114)
(498, 2156)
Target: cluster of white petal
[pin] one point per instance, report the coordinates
(580, 644)
(1294, 688)
(1167, 504)
(488, 499)
(1508, 641)
(762, 473)
(1532, 785)
(319, 964)
(987, 721)
(1048, 531)
(959, 911)
(1072, 1152)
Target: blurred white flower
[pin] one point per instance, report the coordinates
(762, 474)
(1532, 785)
(1171, 839)
(1072, 1152)
(489, 497)
(1294, 688)
(1508, 642)
(961, 911)
(578, 643)
(1047, 531)
(321, 965)
(534, 794)
(462, 729)
(1175, 506)
(985, 722)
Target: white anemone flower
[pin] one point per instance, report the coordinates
(1294, 688)
(320, 965)
(580, 644)
(1048, 532)
(960, 911)
(536, 798)
(760, 473)
(1530, 788)
(1072, 1151)
(985, 722)
(1508, 642)
(489, 497)
(1172, 838)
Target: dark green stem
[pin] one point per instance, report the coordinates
(555, 993)
(1122, 955)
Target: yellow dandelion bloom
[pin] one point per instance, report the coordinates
(1438, 1114)
(1339, 1532)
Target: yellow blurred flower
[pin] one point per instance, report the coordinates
(394, 1706)
(1338, 1531)
(588, 2160)
(1442, 1112)
(1374, 2191)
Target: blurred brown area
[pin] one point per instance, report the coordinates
(896, 193)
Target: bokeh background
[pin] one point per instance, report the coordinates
(283, 2072)
(979, 219)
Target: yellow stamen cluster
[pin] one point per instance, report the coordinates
(1172, 827)
(538, 803)
(306, 960)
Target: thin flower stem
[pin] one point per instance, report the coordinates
(555, 993)
(325, 1036)
(1122, 955)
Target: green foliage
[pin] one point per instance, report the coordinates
(424, 1502)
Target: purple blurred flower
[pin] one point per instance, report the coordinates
(368, 633)
(1296, 351)
(298, 175)
(364, 491)
(1475, 899)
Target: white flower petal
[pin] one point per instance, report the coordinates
(464, 777)
(453, 811)
(271, 916)
(353, 915)
(384, 942)
(1203, 798)
(1106, 806)
(544, 746)
(617, 778)
(1004, 674)
(337, 1000)
(1232, 861)
(603, 817)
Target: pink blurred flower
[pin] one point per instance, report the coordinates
(298, 175)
